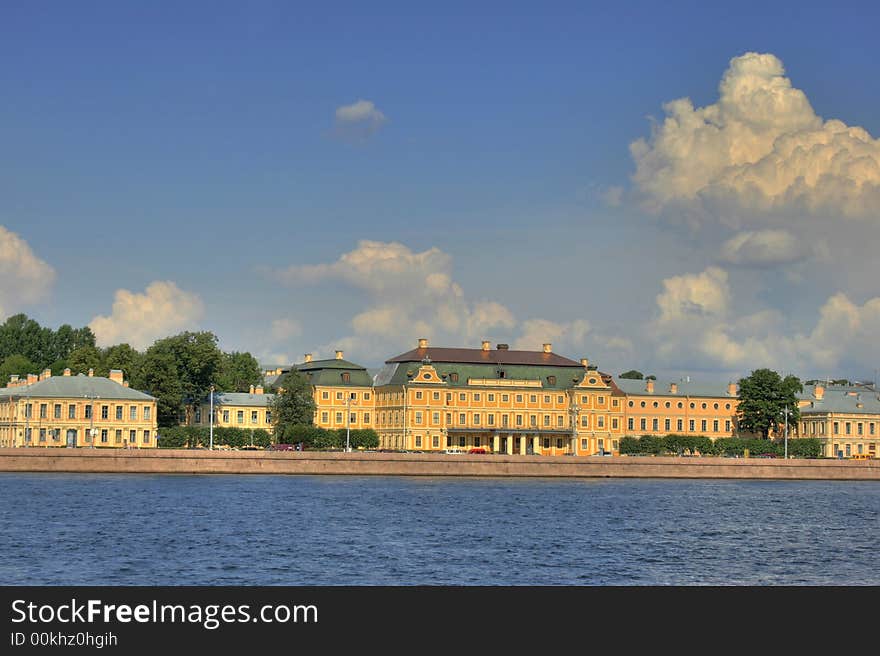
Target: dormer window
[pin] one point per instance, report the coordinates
(346, 377)
(501, 373)
(453, 377)
(551, 380)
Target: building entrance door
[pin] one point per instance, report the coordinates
(71, 438)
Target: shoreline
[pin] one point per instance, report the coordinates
(186, 461)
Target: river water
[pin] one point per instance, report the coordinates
(84, 529)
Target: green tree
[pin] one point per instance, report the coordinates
(85, 358)
(632, 374)
(122, 357)
(15, 365)
(238, 371)
(158, 376)
(294, 404)
(764, 396)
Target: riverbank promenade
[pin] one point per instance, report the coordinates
(184, 461)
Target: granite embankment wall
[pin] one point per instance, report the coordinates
(173, 461)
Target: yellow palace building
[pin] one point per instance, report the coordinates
(76, 411)
(496, 400)
(845, 417)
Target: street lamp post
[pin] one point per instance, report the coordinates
(786, 432)
(211, 421)
(348, 403)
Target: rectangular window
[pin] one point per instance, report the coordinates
(226, 416)
(118, 413)
(461, 441)
(560, 399)
(146, 437)
(28, 410)
(727, 426)
(147, 416)
(643, 424)
(679, 425)
(667, 424)
(613, 403)
(198, 416)
(600, 422)
(239, 416)
(132, 413)
(547, 420)
(692, 425)
(630, 423)
(118, 436)
(476, 419)
(448, 399)
(44, 411)
(837, 428)
(366, 396)
(585, 400)
(859, 430)
(103, 436)
(57, 411)
(476, 396)
(558, 442)
(491, 398)
(419, 395)
(546, 442)
(614, 445)
(366, 417)
(325, 396)
(418, 418)
(505, 420)
(519, 398)
(583, 445)
(132, 437)
(533, 398)
(560, 420)
(253, 416)
(703, 425)
(338, 417)
(449, 419)
(533, 421)
(105, 412)
(268, 416)
(547, 399)
(325, 417)
(505, 398)
(602, 444)
(614, 423)
(42, 435)
(871, 428)
(436, 396)
(462, 397)
(519, 420)
(655, 424)
(435, 441)
(461, 419)
(71, 411)
(585, 421)
(490, 419)
(714, 425)
(600, 400)
(848, 426)
(476, 441)
(418, 441)
(435, 418)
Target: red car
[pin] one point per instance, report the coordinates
(477, 450)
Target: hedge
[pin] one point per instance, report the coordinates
(729, 446)
(176, 437)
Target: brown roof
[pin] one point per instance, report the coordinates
(479, 356)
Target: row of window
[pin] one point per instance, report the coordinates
(818, 428)
(340, 396)
(55, 435)
(57, 408)
(339, 416)
(679, 404)
(239, 416)
(679, 425)
(848, 451)
(490, 397)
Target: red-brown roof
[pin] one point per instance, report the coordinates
(479, 356)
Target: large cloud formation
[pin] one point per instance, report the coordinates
(412, 294)
(139, 319)
(24, 277)
(760, 147)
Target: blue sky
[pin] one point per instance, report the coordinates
(200, 145)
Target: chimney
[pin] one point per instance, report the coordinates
(649, 386)
(585, 363)
(731, 389)
(91, 372)
(13, 381)
(485, 345)
(423, 343)
(115, 375)
(308, 357)
(503, 347)
(258, 389)
(67, 371)
(32, 378)
(338, 355)
(548, 348)
(46, 373)
(252, 389)
(819, 392)
(125, 383)
(673, 388)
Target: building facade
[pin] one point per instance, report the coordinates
(680, 407)
(343, 392)
(76, 411)
(249, 410)
(845, 418)
(497, 400)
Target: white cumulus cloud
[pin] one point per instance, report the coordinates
(361, 119)
(760, 147)
(24, 277)
(139, 319)
(764, 248)
(691, 296)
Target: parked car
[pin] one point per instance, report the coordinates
(453, 451)
(477, 449)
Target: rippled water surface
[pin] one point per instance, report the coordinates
(302, 530)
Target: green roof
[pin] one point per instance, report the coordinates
(81, 386)
(329, 372)
(551, 377)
